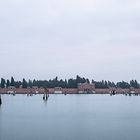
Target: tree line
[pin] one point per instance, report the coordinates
(70, 83)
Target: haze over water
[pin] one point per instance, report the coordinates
(71, 117)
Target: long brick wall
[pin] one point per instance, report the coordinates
(64, 90)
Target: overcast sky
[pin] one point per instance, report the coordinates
(98, 39)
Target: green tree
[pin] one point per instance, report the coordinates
(24, 83)
(134, 84)
(30, 83)
(7, 83)
(2, 83)
(12, 82)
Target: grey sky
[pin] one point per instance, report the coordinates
(93, 38)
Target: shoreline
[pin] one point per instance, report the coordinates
(68, 91)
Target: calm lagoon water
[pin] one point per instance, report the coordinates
(70, 117)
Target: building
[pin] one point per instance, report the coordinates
(11, 90)
(86, 88)
(58, 90)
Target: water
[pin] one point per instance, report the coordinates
(71, 117)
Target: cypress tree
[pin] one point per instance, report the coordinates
(24, 83)
(2, 83)
(7, 83)
(12, 81)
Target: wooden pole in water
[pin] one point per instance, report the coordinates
(0, 100)
(46, 92)
(44, 97)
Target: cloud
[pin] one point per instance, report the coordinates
(96, 38)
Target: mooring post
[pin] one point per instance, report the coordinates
(0, 100)
(46, 93)
(44, 97)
